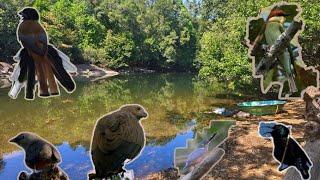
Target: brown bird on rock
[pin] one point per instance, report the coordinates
(40, 155)
(117, 136)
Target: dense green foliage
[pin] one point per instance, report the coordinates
(112, 33)
(186, 35)
(222, 52)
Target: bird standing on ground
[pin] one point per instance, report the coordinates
(117, 136)
(286, 150)
(37, 57)
(40, 155)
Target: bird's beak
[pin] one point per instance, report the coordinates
(21, 14)
(13, 140)
(143, 115)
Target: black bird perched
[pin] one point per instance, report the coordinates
(38, 58)
(286, 150)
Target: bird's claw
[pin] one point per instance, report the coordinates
(122, 171)
(22, 176)
(91, 176)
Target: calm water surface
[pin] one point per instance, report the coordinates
(172, 100)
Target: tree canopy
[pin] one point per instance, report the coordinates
(205, 36)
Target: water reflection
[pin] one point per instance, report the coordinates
(76, 160)
(171, 100)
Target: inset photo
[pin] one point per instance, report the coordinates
(273, 41)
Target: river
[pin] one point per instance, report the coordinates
(172, 100)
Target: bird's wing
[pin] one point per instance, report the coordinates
(36, 41)
(59, 70)
(68, 66)
(115, 122)
(126, 150)
(297, 151)
(37, 152)
(56, 158)
(110, 132)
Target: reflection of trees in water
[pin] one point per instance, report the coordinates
(1, 164)
(85, 144)
(72, 117)
(159, 141)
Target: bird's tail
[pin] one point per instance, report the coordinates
(305, 173)
(60, 73)
(303, 167)
(292, 85)
(27, 73)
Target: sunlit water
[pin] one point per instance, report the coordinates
(172, 101)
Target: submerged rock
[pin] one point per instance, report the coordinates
(93, 72)
(5, 68)
(242, 114)
(225, 112)
(5, 82)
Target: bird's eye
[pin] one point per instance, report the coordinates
(138, 108)
(103, 133)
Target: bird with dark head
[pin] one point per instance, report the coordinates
(40, 155)
(39, 58)
(117, 136)
(29, 14)
(286, 150)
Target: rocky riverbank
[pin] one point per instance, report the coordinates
(87, 71)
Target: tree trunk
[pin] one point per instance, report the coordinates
(312, 135)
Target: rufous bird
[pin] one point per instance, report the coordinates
(38, 58)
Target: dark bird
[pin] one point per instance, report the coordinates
(37, 57)
(40, 155)
(117, 136)
(286, 150)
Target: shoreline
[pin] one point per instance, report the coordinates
(91, 72)
(247, 155)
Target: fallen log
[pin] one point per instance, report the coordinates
(312, 135)
(206, 165)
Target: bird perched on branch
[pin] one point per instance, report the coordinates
(273, 30)
(117, 136)
(40, 155)
(38, 58)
